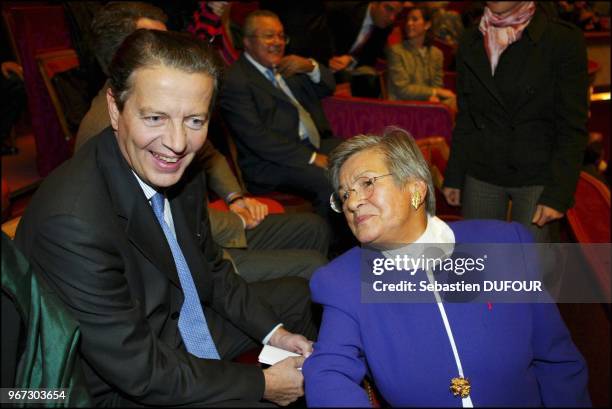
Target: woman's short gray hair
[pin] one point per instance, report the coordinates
(402, 156)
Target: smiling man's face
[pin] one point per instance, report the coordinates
(164, 122)
(266, 45)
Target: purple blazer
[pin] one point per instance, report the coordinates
(513, 354)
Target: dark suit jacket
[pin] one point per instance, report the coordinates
(526, 125)
(90, 231)
(264, 121)
(345, 19)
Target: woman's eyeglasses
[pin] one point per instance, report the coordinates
(363, 187)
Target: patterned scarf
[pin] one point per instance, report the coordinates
(500, 32)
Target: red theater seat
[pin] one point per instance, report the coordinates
(350, 116)
(51, 63)
(589, 221)
(35, 28)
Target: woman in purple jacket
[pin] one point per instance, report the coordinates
(430, 353)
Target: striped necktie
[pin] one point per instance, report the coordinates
(310, 129)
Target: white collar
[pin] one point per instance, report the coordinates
(436, 232)
(257, 65)
(148, 190)
(437, 236)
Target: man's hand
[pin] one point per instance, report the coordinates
(291, 342)
(444, 93)
(544, 214)
(321, 160)
(11, 66)
(252, 211)
(339, 62)
(452, 195)
(294, 64)
(284, 382)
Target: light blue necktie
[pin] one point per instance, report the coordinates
(311, 131)
(192, 322)
(271, 77)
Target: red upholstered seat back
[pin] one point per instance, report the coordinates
(34, 29)
(6, 203)
(590, 216)
(589, 220)
(350, 116)
(54, 62)
(51, 63)
(436, 151)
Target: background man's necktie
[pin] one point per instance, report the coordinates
(361, 41)
(309, 126)
(192, 322)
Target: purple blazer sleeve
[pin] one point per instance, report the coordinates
(333, 373)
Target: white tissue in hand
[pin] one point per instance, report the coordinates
(270, 355)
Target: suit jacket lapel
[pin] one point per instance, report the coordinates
(476, 59)
(260, 81)
(132, 208)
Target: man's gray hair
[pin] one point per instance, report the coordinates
(402, 155)
(249, 27)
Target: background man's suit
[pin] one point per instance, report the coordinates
(345, 19)
(92, 234)
(265, 125)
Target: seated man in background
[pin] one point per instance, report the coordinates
(261, 246)
(121, 233)
(359, 32)
(272, 104)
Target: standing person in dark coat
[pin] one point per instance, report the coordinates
(521, 128)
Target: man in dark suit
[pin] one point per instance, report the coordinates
(271, 103)
(359, 34)
(122, 234)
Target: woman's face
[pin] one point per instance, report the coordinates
(416, 26)
(383, 218)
